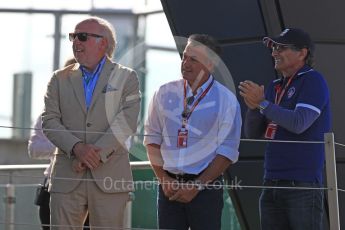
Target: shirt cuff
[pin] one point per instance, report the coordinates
(228, 152)
(152, 139)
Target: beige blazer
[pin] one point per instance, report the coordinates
(111, 118)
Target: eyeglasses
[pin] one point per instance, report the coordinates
(280, 48)
(82, 36)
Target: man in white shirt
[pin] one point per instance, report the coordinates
(192, 135)
(40, 148)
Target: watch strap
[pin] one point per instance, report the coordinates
(263, 105)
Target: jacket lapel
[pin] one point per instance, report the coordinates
(102, 81)
(77, 84)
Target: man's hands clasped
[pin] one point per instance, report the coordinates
(87, 156)
(178, 191)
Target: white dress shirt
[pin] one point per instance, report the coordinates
(39, 147)
(213, 128)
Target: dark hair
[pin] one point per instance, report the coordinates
(207, 41)
(309, 59)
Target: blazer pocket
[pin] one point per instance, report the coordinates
(109, 88)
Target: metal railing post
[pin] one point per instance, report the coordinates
(331, 173)
(128, 212)
(9, 201)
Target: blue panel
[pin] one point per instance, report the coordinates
(251, 61)
(223, 19)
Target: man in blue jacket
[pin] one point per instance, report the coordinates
(295, 107)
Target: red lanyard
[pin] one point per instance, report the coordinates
(188, 112)
(280, 93)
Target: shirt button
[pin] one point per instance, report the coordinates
(88, 124)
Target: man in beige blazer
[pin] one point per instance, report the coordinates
(91, 109)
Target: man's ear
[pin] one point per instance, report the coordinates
(103, 43)
(304, 53)
(210, 65)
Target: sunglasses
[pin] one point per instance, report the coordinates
(280, 48)
(82, 36)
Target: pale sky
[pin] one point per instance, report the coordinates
(27, 45)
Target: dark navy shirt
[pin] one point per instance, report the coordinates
(300, 161)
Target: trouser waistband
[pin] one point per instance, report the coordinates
(183, 177)
(290, 183)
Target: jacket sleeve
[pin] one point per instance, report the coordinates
(53, 128)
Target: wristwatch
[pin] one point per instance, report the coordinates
(263, 105)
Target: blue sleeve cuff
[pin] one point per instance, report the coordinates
(263, 105)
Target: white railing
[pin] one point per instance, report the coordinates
(10, 199)
(331, 186)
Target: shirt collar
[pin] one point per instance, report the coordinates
(87, 73)
(303, 70)
(201, 89)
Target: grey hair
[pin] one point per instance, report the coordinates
(213, 47)
(108, 32)
(210, 42)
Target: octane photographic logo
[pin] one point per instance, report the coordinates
(201, 142)
(121, 185)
